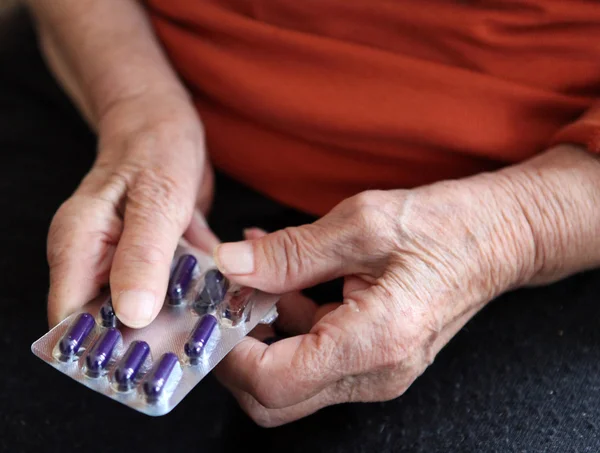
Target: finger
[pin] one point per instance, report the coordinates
(354, 284)
(300, 257)
(159, 206)
(80, 248)
(261, 332)
(295, 369)
(254, 233)
(296, 311)
(205, 194)
(198, 232)
(199, 235)
(269, 418)
(324, 310)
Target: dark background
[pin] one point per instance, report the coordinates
(522, 376)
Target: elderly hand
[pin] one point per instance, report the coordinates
(149, 185)
(417, 265)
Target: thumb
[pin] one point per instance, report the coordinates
(294, 258)
(156, 215)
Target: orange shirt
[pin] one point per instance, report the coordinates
(312, 101)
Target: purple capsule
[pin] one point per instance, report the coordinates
(214, 291)
(128, 369)
(73, 339)
(107, 314)
(101, 352)
(182, 276)
(159, 376)
(199, 337)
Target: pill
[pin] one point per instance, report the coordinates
(159, 376)
(199, 337)
(73, 339)
(107, 314)
(130, 365)
(215, 288)
(101, 352)
(182, 276)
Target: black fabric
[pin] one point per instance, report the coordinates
(523, 376)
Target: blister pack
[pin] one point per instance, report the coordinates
(153, 368)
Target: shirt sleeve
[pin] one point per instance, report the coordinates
(585, 131)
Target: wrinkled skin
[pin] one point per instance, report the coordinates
(416, 265)
(150, 184)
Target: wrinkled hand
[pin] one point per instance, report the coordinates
(149, 185)
(416, 266)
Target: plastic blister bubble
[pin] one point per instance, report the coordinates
(153, 368)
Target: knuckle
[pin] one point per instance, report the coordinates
(257, 413)
(265, 394)
(154, 192)
(291, 245)
(146, 253)
(370, 202)
(285, 256)
(372, 217)
(259, 384)
(261, 416)
(115, 185)
(266, 398)
(367, 198)
(322, 355)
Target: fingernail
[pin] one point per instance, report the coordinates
(135, 308)
(236, 258)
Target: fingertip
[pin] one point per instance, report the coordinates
(234, 258)
(254, 233)
(135, 308)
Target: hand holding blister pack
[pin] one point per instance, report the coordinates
(153, 368)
